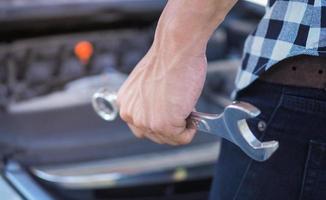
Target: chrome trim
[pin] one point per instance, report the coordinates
(111, 173)
(7, 192)
(22, 181)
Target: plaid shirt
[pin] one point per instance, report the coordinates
(288, 28)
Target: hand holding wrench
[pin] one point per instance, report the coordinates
(231, 124)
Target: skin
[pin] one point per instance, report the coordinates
(164, 87)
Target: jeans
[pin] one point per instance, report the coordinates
(294, 116)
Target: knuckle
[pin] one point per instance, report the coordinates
(156, 127)
(139, 135)
(124, 116)
(139, 123)
(161, 140)
(162, 127)
(171, 142)
(187, 140)
(184, 140)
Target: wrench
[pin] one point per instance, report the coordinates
(231, 124)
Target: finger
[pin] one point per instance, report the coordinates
(166, 129)
(174, 134)
(180, 135)
(170, 137)
(125, 116)
(186, 136)
(165, 139)
(126, 109)
(139, 133)
(145, 133)
(154, 137)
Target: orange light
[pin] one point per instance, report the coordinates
(84, 51)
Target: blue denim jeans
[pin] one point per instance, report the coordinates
(294, 116)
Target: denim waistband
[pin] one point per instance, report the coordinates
(273, 91)
(268, 96)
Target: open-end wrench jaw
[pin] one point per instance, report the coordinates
(232, 125)
(235, 117)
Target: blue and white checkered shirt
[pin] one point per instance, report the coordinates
(288, 28)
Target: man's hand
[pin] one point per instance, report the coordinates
(164, 87)
(160, 94)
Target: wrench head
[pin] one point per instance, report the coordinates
(235, 117)
(105, 104)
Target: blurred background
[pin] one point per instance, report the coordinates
(54, 54)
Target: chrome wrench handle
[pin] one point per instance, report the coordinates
(208, 123)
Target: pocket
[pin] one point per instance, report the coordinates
(259, 175)
(296, 119)
(301, 118)
(314, 177)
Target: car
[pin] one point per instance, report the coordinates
(53, 56)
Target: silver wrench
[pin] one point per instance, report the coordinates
(231, 124)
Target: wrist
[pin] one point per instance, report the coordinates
(187, 29)
(181, 38)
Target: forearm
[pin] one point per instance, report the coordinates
(188, 24)
(163, 89)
